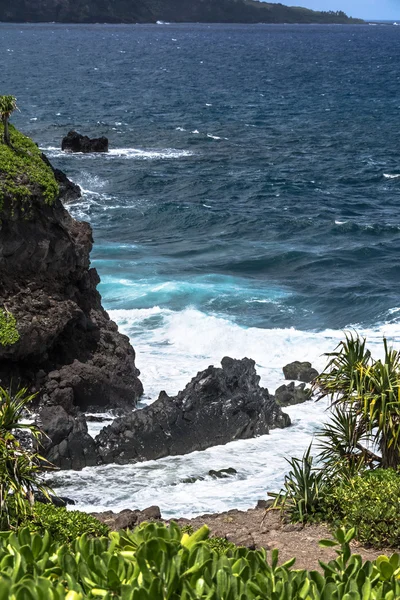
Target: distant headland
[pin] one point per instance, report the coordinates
(153, 11)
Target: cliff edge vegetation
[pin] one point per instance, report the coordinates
(23, 173)
(151, 11)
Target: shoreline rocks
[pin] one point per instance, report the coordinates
(218, 406)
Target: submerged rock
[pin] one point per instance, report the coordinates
(218, 406)
(75, 142)
(300, 371)
(287, 395)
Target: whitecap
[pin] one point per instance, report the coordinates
(388, 176)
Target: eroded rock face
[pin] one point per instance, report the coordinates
(75, 142)
(218, 406)
(69, 350)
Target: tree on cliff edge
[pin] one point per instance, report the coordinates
(7, 106)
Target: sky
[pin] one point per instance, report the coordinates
(364, 9)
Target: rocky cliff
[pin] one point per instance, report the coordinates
(150, 11)
(63, 343)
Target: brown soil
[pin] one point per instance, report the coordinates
(257, 528)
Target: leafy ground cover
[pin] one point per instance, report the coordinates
(23, 173)
(154, 562)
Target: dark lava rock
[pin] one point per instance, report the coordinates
(69, 191)
(300, 371)
(128, 519)
(75, 142)
(59, 501)
(66, 442)
(216, 407)
(288, 395)
(69, 351)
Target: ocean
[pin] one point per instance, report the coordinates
(249, 206)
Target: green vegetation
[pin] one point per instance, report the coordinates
(154, 562)
(63, 525)
(7, 106)
(371, 504)
(20, 468)
(369, 390)
(23, 173)
(8, 329)
(352, 485)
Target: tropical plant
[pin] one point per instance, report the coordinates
(7, 106)
(342, 444)
(20, 466)
(369, 503)
(368, 389)
(155, 562)
(303, 489)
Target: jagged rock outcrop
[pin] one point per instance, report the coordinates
(69, 191)
(66, 442)
(218, 406)
(300, 371)
(76, 142)
(150, 11)
(288, 395)
(68, 348)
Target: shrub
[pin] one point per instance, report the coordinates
(371, 504)
(63, 525)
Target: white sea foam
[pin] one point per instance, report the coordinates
(388, 176)
(169, 355)
(126, 153)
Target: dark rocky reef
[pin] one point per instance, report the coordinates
(150, 11)
(76, 142)
(68, 349)
(218, 406)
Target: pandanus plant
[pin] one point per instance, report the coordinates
(7, 106)
(369, 391)
(20, 466)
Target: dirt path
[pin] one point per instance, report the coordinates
(255, 528)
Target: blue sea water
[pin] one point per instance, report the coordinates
(249, 206)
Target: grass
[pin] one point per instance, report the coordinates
(23, 173)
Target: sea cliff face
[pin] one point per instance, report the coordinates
(68, 349)
(151, 11)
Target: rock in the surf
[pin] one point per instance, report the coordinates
(66, 442)
(218, 406)
(76, 142)
(287, 395)
(300, 371)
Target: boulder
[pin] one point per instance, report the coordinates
(218, 406)
(287, 395)
(75, 142)
(300, 371)
(66, 443)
